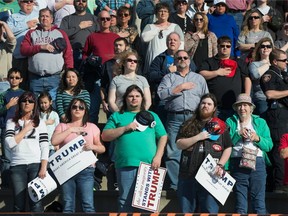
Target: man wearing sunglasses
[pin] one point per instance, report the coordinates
(226, 77)
(49, 51)
(181, 91)
(99, 44)
(78, 26)
(274, 84)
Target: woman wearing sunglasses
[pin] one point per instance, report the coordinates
(129, 64)
(201, 43)
(252, 32)
(71, 86)
(259, 65)
(122, 28)
(27, 141)
(82, 183)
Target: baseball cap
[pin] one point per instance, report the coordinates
(59, 44)
(215, 127)
(144, 119)
(230, 64)
(215, 2)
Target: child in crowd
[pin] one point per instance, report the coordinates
(50, 117)
(283, 149)
(8, 102)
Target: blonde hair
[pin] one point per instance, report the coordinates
(246, 24)
(205, 22)
(118, 68)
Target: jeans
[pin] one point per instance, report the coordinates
(21, 175)
(253, 181)
(126, 178)
(83, 183)
(39, 84)
(238, 19)
(190, 193)
(173, 154)
(261, 107)
(95, 100)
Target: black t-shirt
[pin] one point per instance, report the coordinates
(201, 52)
(226, 89)
(174, 18)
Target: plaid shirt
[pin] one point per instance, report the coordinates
(113, 4)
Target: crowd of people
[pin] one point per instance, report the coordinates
(167, 73)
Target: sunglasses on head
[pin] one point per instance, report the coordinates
(27, 1)
(132, 60)
(182, 58)
(225, 46)
(27, 100)
(123, 15)
(254, 17)
(13, 77)
(80, 107)
(105, 19)
(265, 46)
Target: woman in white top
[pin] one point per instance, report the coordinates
(27, 139)
(129, 63)
(155, 34)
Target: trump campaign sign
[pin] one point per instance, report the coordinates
(148, 187)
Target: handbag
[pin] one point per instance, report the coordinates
(248, 159)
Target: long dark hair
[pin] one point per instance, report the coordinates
(35, 114)
(128, 91)
(45, 94)
(63, 84)
(194, 125)
(68, 111)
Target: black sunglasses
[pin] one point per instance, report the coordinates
(80, 107)
(181, 2)
(198, 19)
(123, 15)
(254, 17)
(282, 60)
(132, 60)
(225, 46)
(17, 78)
(160, 35)
(182, 58)
(265, 46)
(105, 19)
(26, 100)
(27, 1)
(84, 1)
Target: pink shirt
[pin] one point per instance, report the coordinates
(238, 4)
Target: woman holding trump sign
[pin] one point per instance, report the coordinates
(27, 140)
(83, 182)
(199, 136)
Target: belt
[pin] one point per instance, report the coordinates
(236, 11)
(183, 112)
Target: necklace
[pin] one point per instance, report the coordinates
(185, 24)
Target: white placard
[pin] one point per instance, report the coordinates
(39, 188)
(218, 187)
(70, 160)
(148, 187)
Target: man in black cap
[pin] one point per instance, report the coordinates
(134, 132)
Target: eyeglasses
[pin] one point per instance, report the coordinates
(103, 19)
(182, 58)
(27, 1)
(80, 107)
(254, 17)
(12, 77)
(225, 46)
(265, 46)
(182, 2)
(286, 27)
(282, 60)
(132, 60)
(83, 1)
(123, 15)
(26, 100)
(198, 19)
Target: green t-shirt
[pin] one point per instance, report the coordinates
(134, 146)
(14, 6)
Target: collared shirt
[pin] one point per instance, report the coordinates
(185, 100)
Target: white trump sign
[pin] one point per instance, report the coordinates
(219, 187)
(148, 187)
